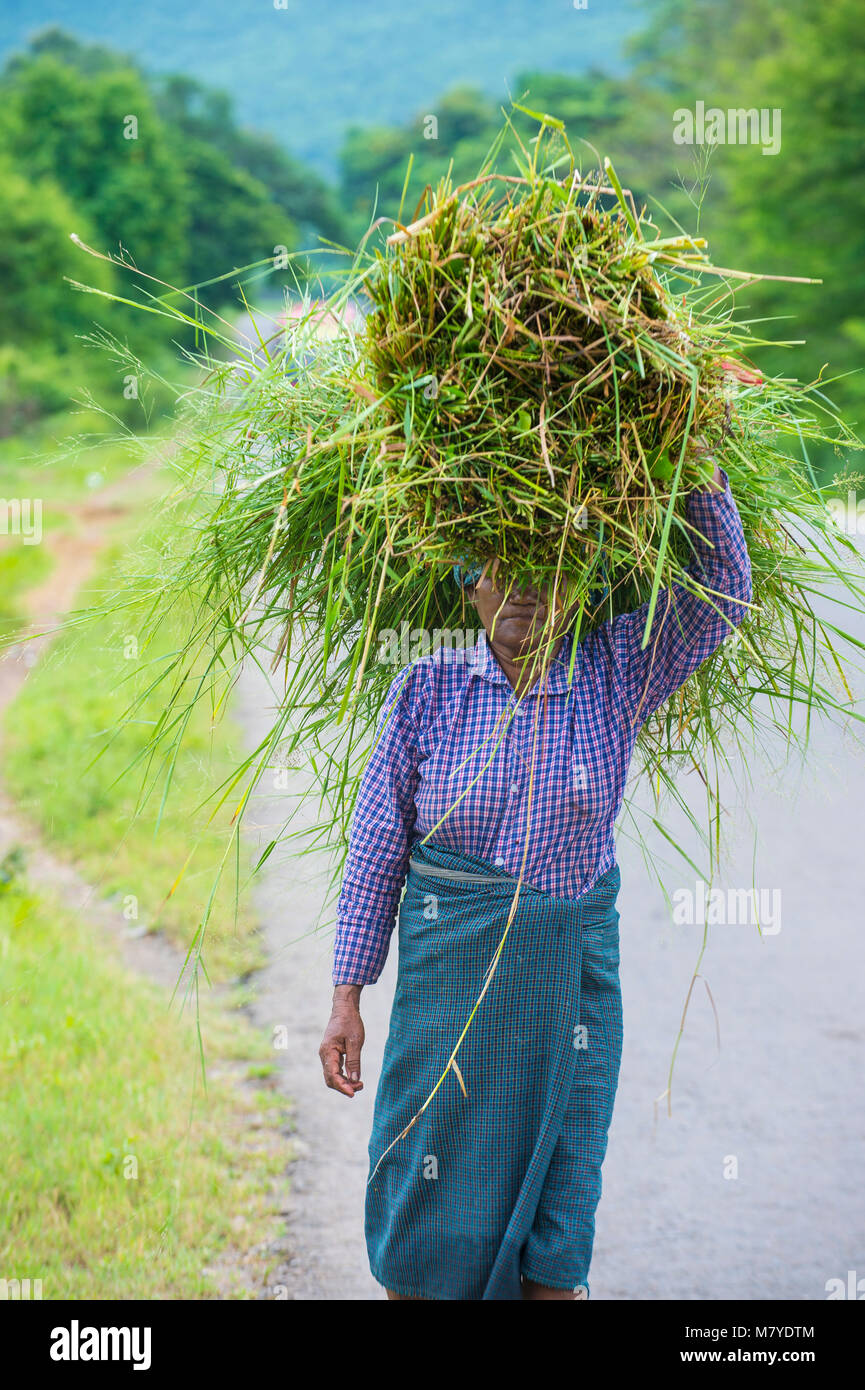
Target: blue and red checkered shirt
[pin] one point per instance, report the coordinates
(535, 788)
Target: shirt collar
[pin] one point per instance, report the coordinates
(555, 676)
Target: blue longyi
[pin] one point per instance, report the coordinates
(504, 1180)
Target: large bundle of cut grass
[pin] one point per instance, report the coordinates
(539, 381)
(537, 377)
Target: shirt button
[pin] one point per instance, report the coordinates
(499, 861)
(514, 787)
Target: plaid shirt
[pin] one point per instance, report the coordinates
(534, 787)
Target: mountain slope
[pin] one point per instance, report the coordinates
(307, 72)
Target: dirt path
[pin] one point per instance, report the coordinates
(753, 1188)
(325, 1256)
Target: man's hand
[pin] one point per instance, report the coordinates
(716, 482)
(700, 453)
(342, 1042)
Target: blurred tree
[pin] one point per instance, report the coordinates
(800, 211)
(35, 255)
(459, 130)
(233, 221)
(197, 113)
(589, 105)
(42, 319)
(97, 135)
(194, 195)
(65, 48)
(159, 167)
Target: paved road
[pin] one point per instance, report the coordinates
(780, 1104)
(327, 1252)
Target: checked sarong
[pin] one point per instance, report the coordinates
(503, 1181)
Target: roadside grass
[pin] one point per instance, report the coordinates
(60, 462)
(63, 457)
(76, 770)
(120, 1177)
(21, 567)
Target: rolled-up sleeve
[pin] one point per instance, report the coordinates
(687, 627)
(379, 842)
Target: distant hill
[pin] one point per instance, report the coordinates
(310, 70)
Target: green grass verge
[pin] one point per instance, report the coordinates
(21, 567)
(87, 806)
(63, 458)
(120, 1177)
(62, 462)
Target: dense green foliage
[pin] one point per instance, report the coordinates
(155, 174)
(802, 211)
